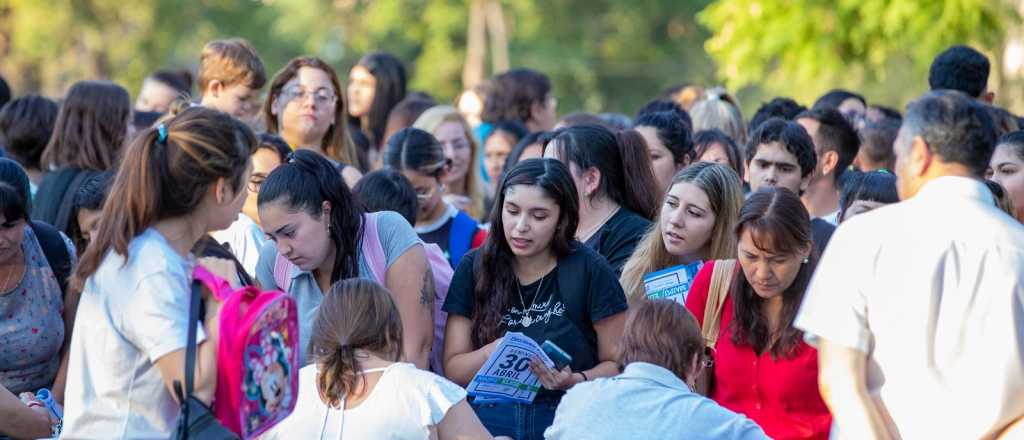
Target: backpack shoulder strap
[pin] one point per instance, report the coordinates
(721, 278)
(373, 250)
(283, 273)
(464, 228)
(55, 250)
(67, 202)
(572, 272)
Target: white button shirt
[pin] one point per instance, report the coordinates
(931, 289)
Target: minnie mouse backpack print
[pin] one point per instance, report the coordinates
(258, 356)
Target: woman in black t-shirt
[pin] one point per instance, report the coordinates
(531, 276)
(616, 187)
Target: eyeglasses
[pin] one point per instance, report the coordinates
(321, 96)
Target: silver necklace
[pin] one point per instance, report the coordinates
(593, 229)
(527, 320)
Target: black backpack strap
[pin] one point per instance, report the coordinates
(190, 360)
(67, 202)
(572, 271)
(55, 250)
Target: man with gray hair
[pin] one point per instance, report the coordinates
(917, 308)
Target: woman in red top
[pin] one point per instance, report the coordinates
(763, 368)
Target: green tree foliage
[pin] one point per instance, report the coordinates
(600, 54)
(802, 48)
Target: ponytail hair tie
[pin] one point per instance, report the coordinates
(161, 134)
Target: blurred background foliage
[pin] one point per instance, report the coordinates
(602, 55)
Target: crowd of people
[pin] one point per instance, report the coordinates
(812, 309)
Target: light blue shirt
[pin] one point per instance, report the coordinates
(645, 402)
(396, 237)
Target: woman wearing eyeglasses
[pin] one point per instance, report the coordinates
(464, 184)
(421, 159)
(306, 109)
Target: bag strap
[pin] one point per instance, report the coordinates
(67, 202)
(373, 250)
(55, 250)
(721, 279)
(461, 237)
(190, 359)
(283, 273)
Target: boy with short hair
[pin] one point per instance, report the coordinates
(231, 74)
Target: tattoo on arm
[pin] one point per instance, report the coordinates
(427, 291)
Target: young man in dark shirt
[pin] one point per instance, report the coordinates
(780, 153)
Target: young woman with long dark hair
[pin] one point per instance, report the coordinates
(376, 84)
(93, 124)
(532, 276)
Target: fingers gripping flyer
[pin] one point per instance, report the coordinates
(506, 373)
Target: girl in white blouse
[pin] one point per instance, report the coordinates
(357, 387)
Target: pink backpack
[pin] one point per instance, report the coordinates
(258, 356)
(373, 253)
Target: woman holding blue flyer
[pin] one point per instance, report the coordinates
(694, 225)
(532, 277)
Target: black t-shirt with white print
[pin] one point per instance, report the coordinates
(563, 315)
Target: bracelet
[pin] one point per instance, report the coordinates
(585, 378)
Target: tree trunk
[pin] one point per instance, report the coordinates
(476, 50)
(499, 37)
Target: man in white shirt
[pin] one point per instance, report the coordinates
(835, 144)
(917, 308)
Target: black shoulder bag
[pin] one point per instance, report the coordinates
(196, 420)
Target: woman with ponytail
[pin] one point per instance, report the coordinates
(617, 190)
(420, 158)
(359, 387)
(177, 181)
(317, 230)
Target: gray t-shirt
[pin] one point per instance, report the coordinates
(396, 237)
(32, 323)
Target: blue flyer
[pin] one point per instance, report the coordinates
(672, 283)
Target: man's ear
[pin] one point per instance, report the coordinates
(829, 160)
(988, 97)
(921, 157)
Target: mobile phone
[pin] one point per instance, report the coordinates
(557, 355)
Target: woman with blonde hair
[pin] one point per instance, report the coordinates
(358, 385)
(720, 110)
(695, 224)
(464, 184)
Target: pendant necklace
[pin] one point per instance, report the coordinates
(527, 320)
